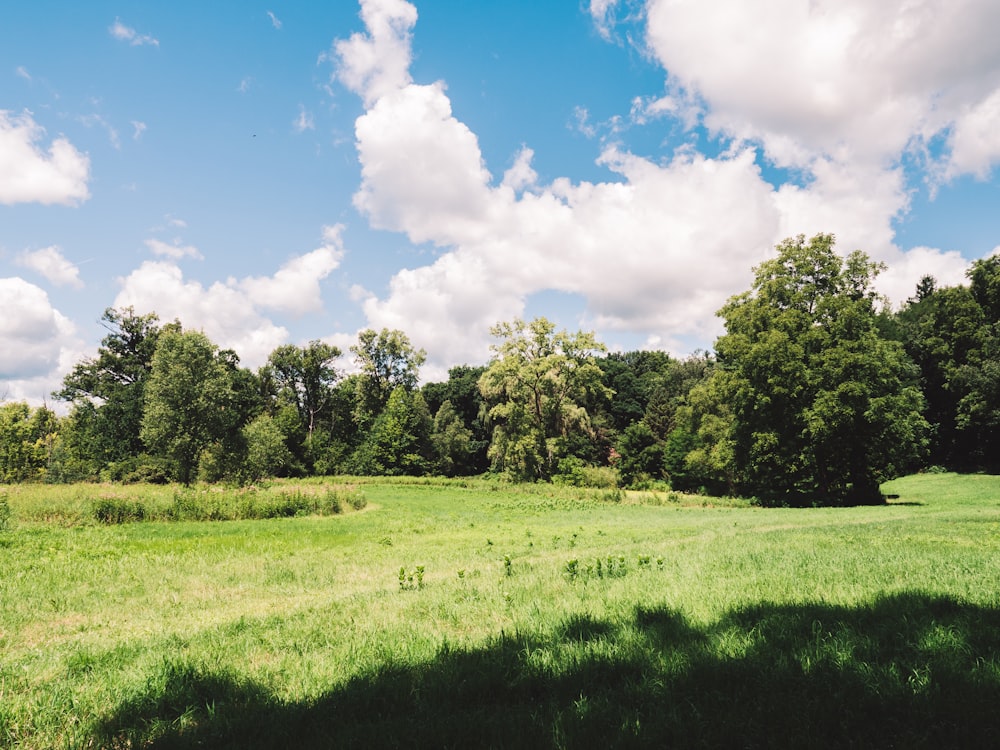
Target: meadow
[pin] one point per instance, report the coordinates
(469, 613)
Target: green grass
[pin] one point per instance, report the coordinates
(544, 617)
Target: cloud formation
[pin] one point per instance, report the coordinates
(127, 34)
(660, 248)
(231, 312)
(39, 343)
(29, 174)
(52, 264)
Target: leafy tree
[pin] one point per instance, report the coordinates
(452, 441)
(27, 437)
(462, 391)
(399, 442)
(266, 452)
(535, 386)
(305, 376)
(825, 408)
(387, 360)
(107, 391)
(190, 400)
(641, 455)
(699, 451)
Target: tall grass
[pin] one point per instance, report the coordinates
(542, 617)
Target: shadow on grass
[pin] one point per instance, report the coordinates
(904, 671)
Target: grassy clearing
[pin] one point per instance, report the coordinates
(541, 616)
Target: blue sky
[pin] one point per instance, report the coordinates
(278, 172)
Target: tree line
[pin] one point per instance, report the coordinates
(816, 393)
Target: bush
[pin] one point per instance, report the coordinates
(4, 514)
(112, 510)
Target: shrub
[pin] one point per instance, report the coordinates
(113, 510)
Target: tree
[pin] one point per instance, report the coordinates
(27, 437)
(387, 360)
(535, 386)
(190, 400)
(107, 391)
(824, 407)
(305, 375)
(266, 452)
(399, 441)
(461, 390)
(452, 441)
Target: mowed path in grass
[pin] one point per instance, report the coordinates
(100, 625)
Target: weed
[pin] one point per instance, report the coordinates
(411, 580)
(4, 514)
(111, 510)
(507, 566)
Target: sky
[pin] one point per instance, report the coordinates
(280, 172)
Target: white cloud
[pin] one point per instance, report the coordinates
(174, 251)
(602, 12)
(375, 63)
(38, 342)
(295, 287)
(275, 21)
(22, 72)
(138, 128)
(656, 252)
(52, 264)
(230, 312)
(245, 85)
(30, 175)
(849, 80)
(304, 121)
(127, 34)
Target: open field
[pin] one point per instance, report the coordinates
(476, 614)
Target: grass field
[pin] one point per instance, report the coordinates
(474, 614)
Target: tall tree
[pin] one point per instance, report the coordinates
(190, 400)
(824, 407)
(306, 377)
(387, 360)
(27, 436)
(107, 391)
(535, 386)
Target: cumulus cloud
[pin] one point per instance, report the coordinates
(844, 79)
(377, 62)
(230, 312)
(174, 251)
(30, 175)
(52, 264)
(602, 13)
(657, 251)
(127, 34)
(39, 343)
(295, 288)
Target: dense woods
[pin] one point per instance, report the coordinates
(816, 393)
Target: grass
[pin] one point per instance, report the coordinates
(541, 617)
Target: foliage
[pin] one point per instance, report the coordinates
(387, 361)
(399, 440)
(452, 441)
(107, 391)
(266, 452)
(190, 400)
(27, 437)
(535, 386)
(825, 408)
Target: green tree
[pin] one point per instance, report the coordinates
(824, 407)
(452, 441)
(266, 452)
(190, 400)
(107, 391)
(27, 437)
(461, 389)
(399, 441)
(535, 387)
(387, 360)
(305, 376)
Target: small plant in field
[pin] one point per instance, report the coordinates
(114, 510)
(507, 566)
(645, 561)
(4, 514)
(572, 569)
(411, 580)
(461, 574)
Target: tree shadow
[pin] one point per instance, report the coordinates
(907, 670)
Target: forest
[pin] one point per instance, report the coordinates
(815, 394)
